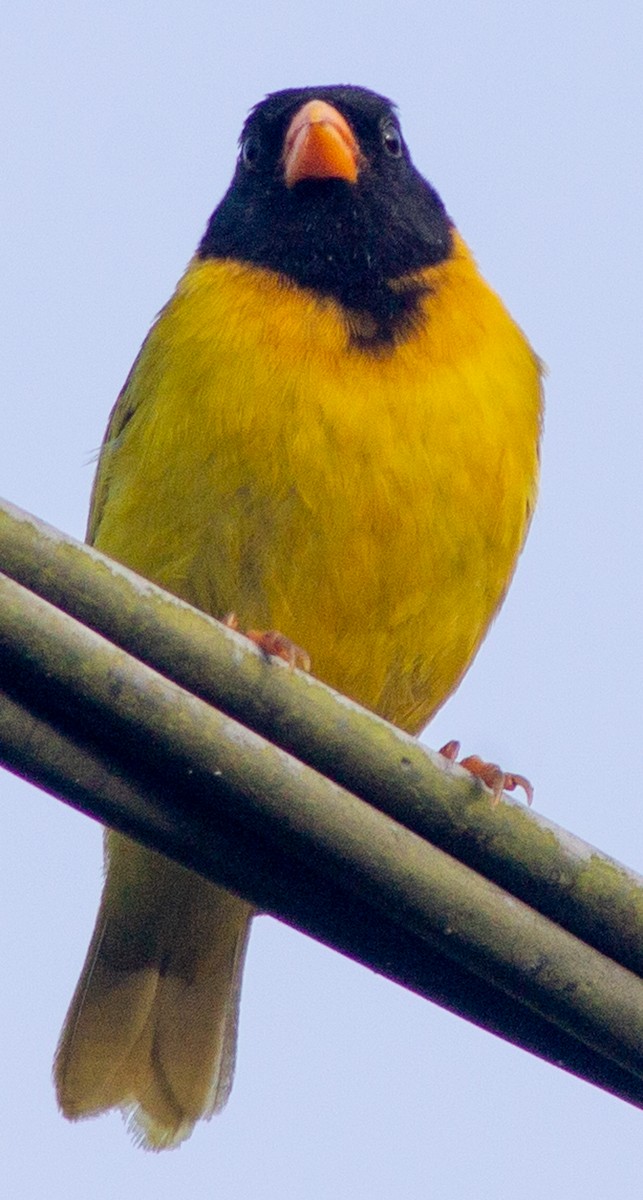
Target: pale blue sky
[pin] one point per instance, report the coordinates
(120, 124)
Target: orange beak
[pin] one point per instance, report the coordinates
(320, 144)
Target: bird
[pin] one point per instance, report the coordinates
(331, 431)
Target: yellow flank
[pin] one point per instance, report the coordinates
(369, 505)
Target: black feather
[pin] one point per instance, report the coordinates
(355, 243)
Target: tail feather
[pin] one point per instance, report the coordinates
(152, 1026)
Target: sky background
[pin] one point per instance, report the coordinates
(119, 130)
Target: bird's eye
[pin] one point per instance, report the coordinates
(249, 151)
(392, 139)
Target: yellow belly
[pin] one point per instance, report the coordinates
(370, 507)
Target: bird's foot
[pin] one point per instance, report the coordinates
(273, 643)
(491, 774)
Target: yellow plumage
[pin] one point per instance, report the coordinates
(370, 504)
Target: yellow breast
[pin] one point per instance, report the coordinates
(369, 506)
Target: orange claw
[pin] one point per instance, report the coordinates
(491, 774)
(273, 643)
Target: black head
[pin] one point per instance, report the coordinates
(352, 238)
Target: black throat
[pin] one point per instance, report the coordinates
(361, 245)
